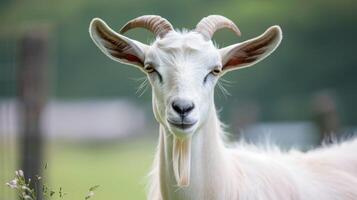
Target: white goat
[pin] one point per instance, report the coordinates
(192, 161)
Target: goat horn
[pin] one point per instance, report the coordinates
(154, 23)
(210, 24)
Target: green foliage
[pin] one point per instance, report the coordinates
(28, 189)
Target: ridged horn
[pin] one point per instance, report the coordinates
(154, 23)
(210, 24)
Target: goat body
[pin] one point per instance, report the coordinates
(192, 161)
(246, 172)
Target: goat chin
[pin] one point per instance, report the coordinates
(181, 155)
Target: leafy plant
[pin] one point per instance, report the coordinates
(26, 192)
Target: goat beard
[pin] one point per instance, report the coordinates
(181, 156)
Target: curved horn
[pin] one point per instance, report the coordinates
(154, 23)
(210, 24)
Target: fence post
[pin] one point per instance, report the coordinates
(32, 87)
(326, 116)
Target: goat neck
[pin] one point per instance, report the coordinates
(208, 163)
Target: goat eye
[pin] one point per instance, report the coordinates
(216, 71)
(149, 69)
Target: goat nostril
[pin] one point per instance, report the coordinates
(176, 107)
(190, 107)
(182, 107)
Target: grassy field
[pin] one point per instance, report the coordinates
(120, 168)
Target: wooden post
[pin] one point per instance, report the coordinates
(32, 87)
(326, 116)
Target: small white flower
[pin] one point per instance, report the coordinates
(8, 184)
(12, 184)
(90, 194)
(21, 173)
(27, 197)
(25, 188)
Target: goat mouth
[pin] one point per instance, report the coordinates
(181, 125)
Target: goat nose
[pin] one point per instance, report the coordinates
(182, 107)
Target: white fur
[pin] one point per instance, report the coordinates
(249, 173)
(182, 60)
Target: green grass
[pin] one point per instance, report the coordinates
(119, 168)
(8, 160)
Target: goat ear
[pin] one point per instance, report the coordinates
(248, 53)
(116, 46)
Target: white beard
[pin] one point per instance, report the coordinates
(181, 156)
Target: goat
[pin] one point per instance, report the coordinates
(192, 161)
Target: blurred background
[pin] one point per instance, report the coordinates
(64, 104)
